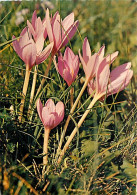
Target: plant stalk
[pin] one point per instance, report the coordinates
(45, 145)
(96, 97)
(25, 87)
(33, 89)
(68, 119)
(45, 75)
(41, 85)
(71, 96)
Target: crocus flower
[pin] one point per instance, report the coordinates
(68, 66)
(50, 114)
(60, 31)
(31, 52)
(90, 62)
(107, 83)
(37, 28)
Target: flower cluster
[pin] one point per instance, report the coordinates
(99, 80)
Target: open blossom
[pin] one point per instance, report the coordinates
(31, 52)
(68, 66)
(90, 62)
(60, 31)
(50, 114)
(108, 83)
(37, 27)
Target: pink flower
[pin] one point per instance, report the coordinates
(37, 28)
(110, 83)
(90, 62)
(68, 66)
(50, 114)
(31, 52)
(60, 31)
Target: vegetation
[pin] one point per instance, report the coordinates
(101, 157)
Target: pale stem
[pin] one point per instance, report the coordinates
(45, 145)
(71, 96)
(33, 88)
(76, 128)
(41, 85)
(45, 75)
(68, 119)
(25, 87)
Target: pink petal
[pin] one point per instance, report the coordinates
(17, 47)
(31, 29)
(34, 17)
(99, 59)
(48, 119)
(119, 70)
(67, 22)
(60, 111)
(24, 37)
(49, 28)
(69, 55)
(40, 44)
(45, 33)
(64, 70)
(54, 18)
(57, 31)
(91, 86)
(36, 28)
(67, 77)
(75, 66)
(23, 32)
(44, 54)
(86, 50)
(120, 78)
(62, 65)
(111, 57)
(120, 83)
(56, 121)
(68, 35)
(50, 106)
(39, 28)
(39, 109)
(107, 60)
(45, 28)
(101, 53)
(91, 66)
(102, 78)
(44, 22)
(29, 53)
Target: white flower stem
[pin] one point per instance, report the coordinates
(33, 89)
(25, 87)
(71, 96)
(45, 145)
